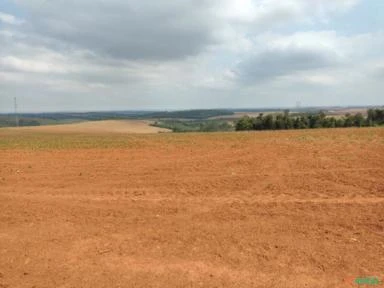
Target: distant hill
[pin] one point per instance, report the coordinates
(55, 118)
(190, 114)
(37, 119)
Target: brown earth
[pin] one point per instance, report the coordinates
(107, 126)
(268, 209)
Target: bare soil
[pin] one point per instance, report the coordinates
(264, 209)
(107, 126)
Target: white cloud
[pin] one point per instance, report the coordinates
(185, 54)
(27, 65)
(10, 19)
(272, 12)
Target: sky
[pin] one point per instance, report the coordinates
(93, 55)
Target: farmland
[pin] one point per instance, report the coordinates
(95, 127)
(301, 208)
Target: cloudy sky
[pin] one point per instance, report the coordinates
(81, 55)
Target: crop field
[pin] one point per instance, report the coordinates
(106, 126)
(301, 208)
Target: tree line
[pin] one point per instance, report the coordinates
(194, 125)
(284, 121)
(4, 122)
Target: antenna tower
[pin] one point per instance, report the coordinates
(16, 115)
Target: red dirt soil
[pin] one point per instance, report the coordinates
(269, 209)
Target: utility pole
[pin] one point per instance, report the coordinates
(16, 115)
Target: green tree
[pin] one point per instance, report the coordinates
(258, 122)
(245, 123)
(349, 120)
(358, 120)
(280, 122)
(269, 122)
(340, 122)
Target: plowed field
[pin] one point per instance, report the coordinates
(265, 209)
(106, 126)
